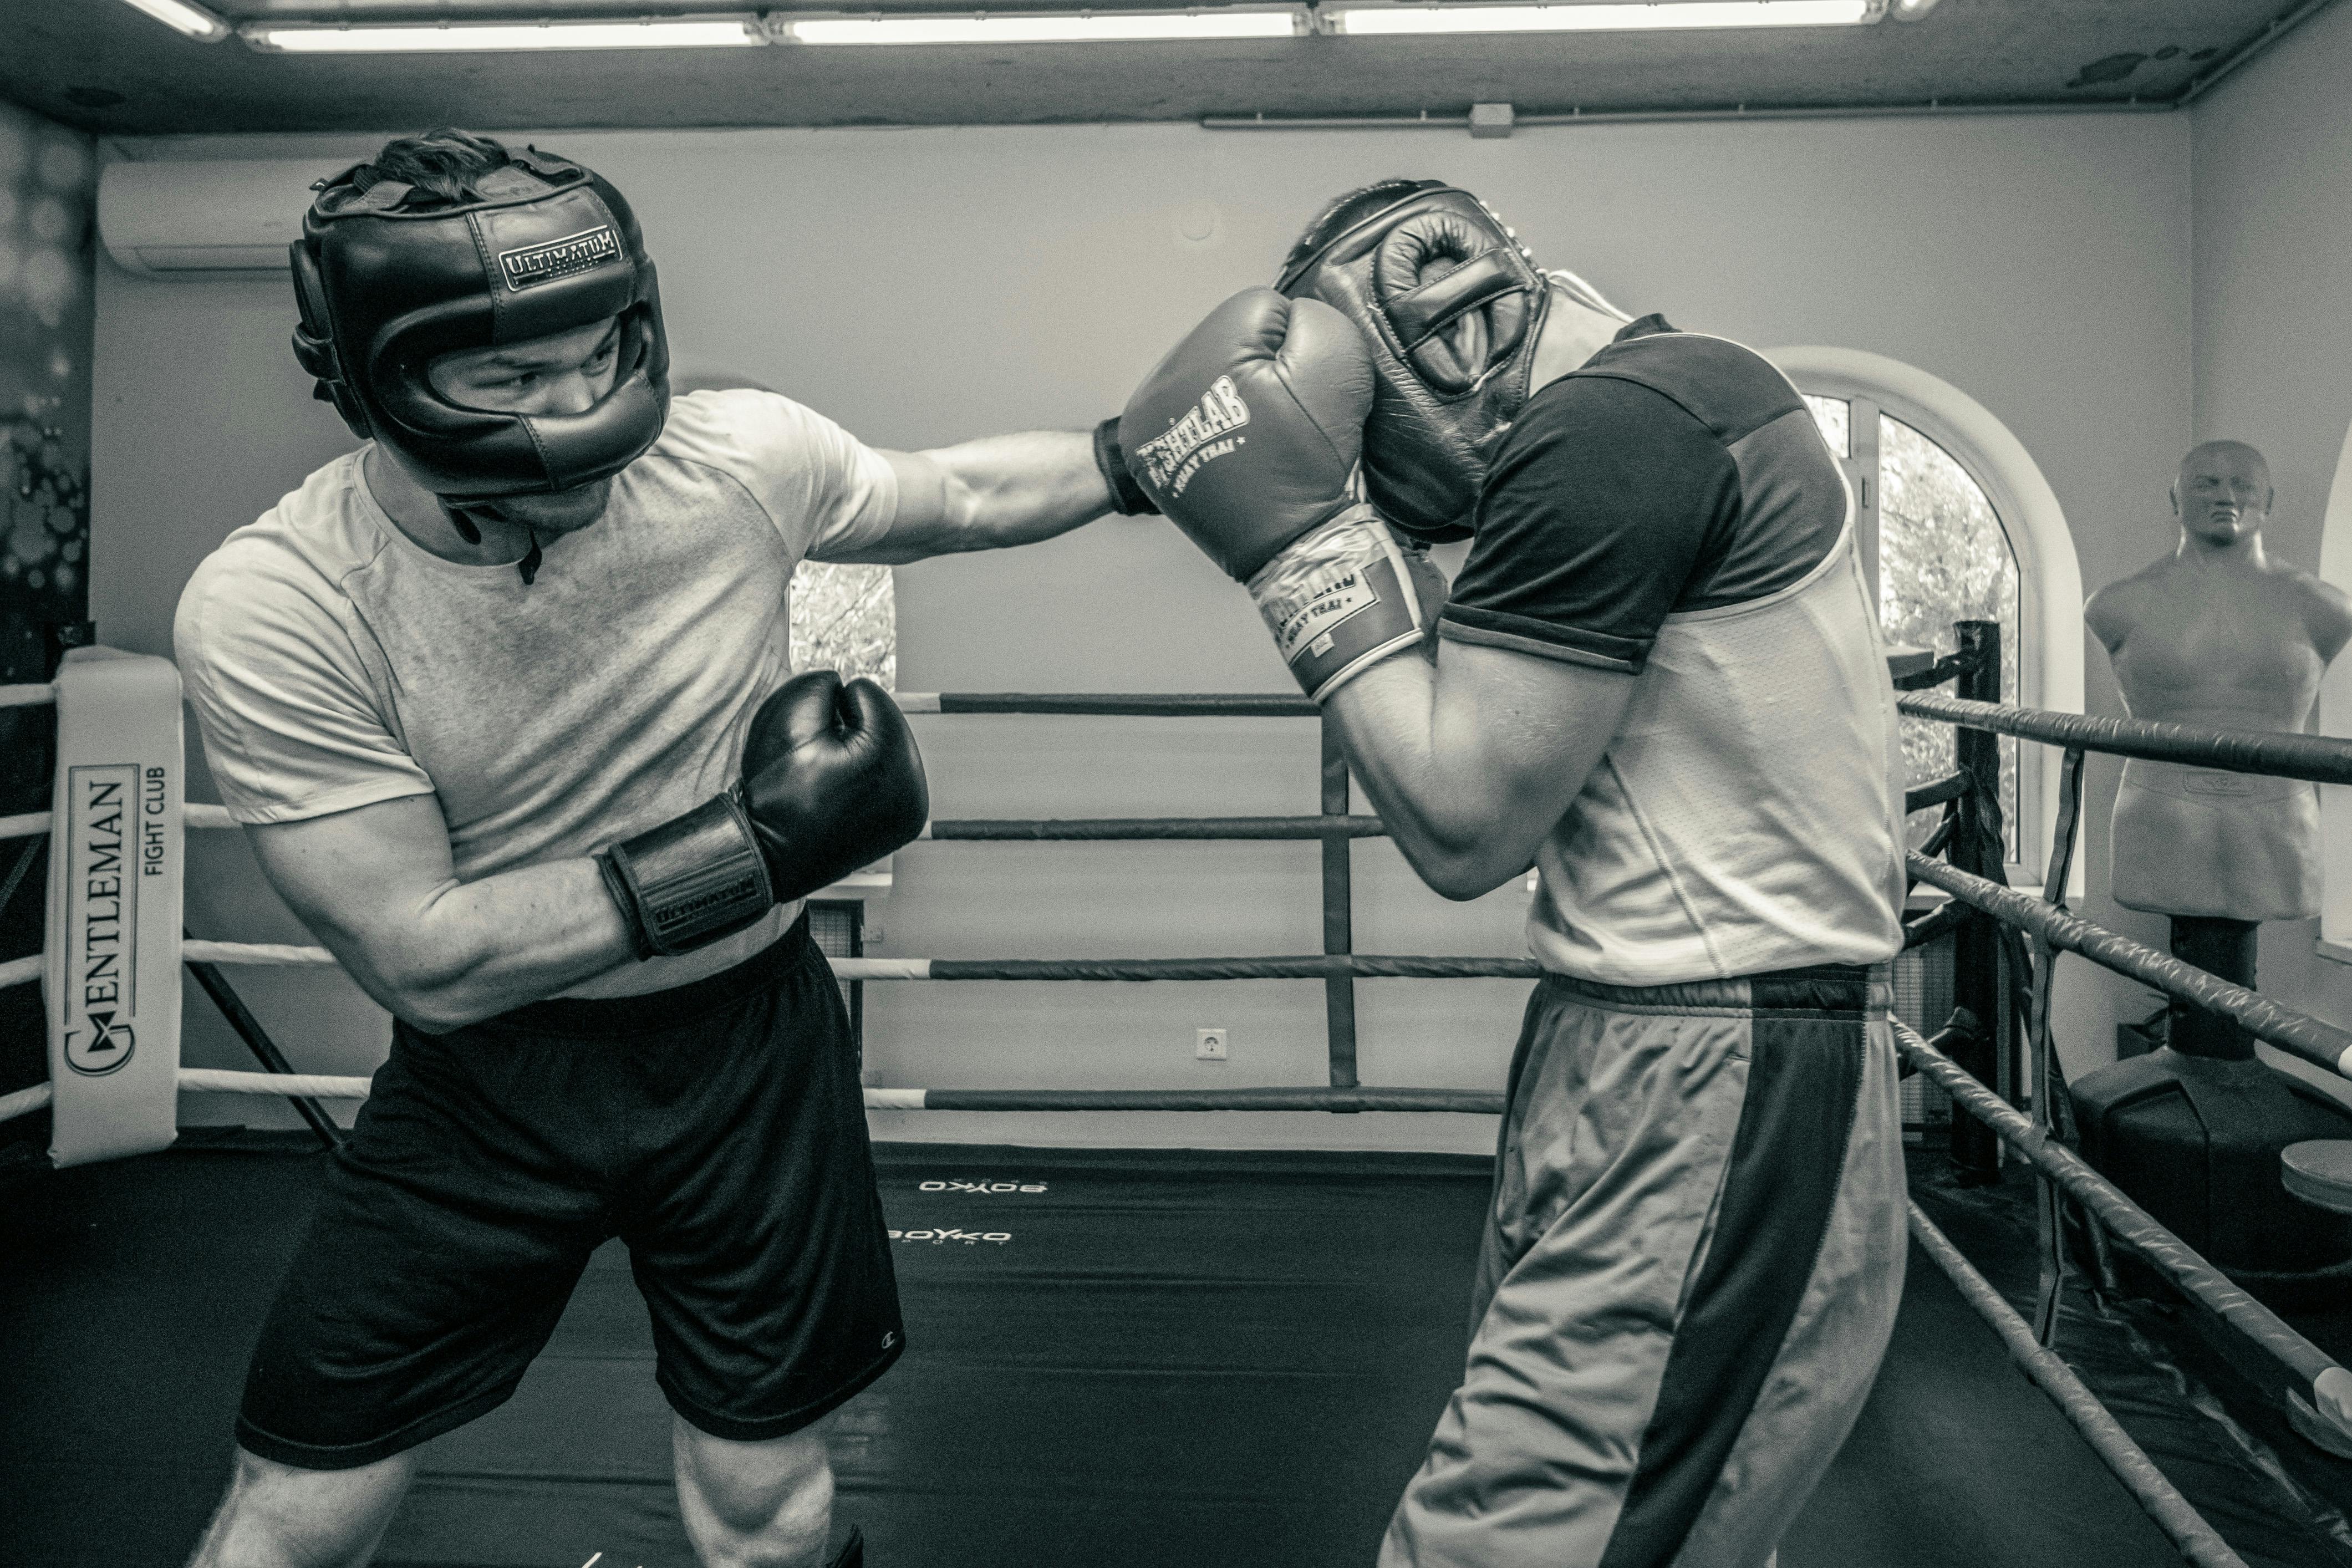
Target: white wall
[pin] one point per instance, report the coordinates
(926, 285)
(2271, 151)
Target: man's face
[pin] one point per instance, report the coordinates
(2223, 493)
(565, 372)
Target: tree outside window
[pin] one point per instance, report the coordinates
(845, 617)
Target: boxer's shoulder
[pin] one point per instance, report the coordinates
(302, 551)
(1725, 385)
(740, 427)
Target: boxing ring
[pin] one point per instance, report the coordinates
(2006, 944)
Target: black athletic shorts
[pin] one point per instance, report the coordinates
(718, 1128)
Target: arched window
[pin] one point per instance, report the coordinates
(844, 617)
(2336, 719)
(1956, 522)
(1936, 553)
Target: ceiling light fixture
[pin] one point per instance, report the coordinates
(440, 38)
(1609, 18)
(1046, 27)
(181, 17)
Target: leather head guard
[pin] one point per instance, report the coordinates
(1453, 305)
(387, 284)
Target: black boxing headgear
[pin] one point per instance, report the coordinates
(390, 278)
(1453, 305)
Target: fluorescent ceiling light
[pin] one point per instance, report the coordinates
(1600, 18)
(180, 17)
(435, 37)
(1052, 27)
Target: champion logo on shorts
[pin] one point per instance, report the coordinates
(1174, 456)
(556, 259)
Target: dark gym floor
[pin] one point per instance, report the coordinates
(1157, 1360)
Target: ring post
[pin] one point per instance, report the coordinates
(1339, 919)
(111, 963)
(1976, 946)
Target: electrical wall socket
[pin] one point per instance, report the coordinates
(1209, 1045)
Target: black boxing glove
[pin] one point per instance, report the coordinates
(831, 781)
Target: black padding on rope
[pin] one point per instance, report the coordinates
(2318, 758)
(1314, 966)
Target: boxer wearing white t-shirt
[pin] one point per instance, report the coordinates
(480, 692)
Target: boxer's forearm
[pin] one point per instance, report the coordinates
(987, 494)
(477, 949)
(1472, 759)
(375, 886)
(1430, 795)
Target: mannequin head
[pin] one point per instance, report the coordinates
(2222, 493)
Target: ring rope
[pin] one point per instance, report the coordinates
(272, 954)
(322, 1086)
(25, 1101)
(1310, 966)
(2328, 1384)
(1000, 830)
(2323, 1045)
(2170, 1512)
(2318, 758)
(1466, 1101)
(195, 815)
(27, 696)
(1132, 705)
(293, 1085)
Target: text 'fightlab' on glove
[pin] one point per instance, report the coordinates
(1248, 435)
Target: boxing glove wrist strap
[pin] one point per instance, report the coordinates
(1127, 497)
(690, 881)
(1342, 597)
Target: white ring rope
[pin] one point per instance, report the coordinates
(20, 971)
(24, 1102)
(325, 1086)
(195, 815)
(27, 696)
(880, 968)
(294, 1085)
(264, 952)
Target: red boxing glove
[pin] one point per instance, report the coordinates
(1247, 434)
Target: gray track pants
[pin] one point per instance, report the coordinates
(1690, 1272)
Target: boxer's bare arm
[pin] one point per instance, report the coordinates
(376, 886)
(1472, 760)
(986, 494)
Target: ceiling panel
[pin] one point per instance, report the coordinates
(103, 67)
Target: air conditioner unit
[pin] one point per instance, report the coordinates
(168, 218)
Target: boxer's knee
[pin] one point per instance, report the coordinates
(755, 1505)
(277, 1516)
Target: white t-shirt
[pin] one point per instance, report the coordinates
(333, 663)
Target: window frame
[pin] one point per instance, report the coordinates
(2050, 576)
(2335, 940)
